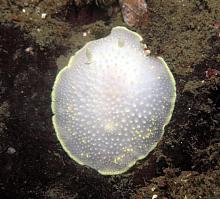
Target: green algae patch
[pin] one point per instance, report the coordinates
(182, 30)
(193, 86)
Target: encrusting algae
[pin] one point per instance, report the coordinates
(112, 102)
(134, 12)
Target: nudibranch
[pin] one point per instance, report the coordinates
(112, 102)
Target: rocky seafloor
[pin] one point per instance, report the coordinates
(37, 37)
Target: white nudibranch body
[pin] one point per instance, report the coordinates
(112, 102)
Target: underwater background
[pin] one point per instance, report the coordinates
(37, 38)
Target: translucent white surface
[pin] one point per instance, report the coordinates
(112, 102)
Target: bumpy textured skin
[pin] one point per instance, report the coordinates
(112, 102)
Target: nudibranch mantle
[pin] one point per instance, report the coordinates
(112, 102)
